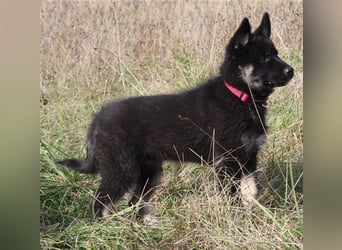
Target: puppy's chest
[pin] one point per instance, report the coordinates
(254, 136)
(251, 130)
(252, 142)
(241, 128)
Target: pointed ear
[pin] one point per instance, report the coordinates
(265, 26)
(242, 34)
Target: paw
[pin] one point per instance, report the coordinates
(249, 190)
(150, 220)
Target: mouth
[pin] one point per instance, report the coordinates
(275, 84)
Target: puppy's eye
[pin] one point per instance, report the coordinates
(264, 59)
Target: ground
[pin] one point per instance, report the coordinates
(92, 52)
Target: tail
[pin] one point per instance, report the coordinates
(87, 165)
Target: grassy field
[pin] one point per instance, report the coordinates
(95, 51)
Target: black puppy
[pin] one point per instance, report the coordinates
(221, 122)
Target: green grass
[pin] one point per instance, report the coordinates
(144, 54)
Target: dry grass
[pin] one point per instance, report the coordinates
(93, 51)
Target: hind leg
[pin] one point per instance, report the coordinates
(117, 178)
(109, 192)
(149, 179)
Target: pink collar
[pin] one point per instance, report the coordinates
(244, 97)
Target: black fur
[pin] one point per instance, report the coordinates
(128, 140)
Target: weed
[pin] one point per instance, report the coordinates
(96, 51)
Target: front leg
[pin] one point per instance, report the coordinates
(240, 176)
(228, 176)
(248, 186)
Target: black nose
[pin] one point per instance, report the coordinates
(288, 71)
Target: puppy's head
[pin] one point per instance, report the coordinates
(253, 58)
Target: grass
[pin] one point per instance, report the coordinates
(96, 51)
